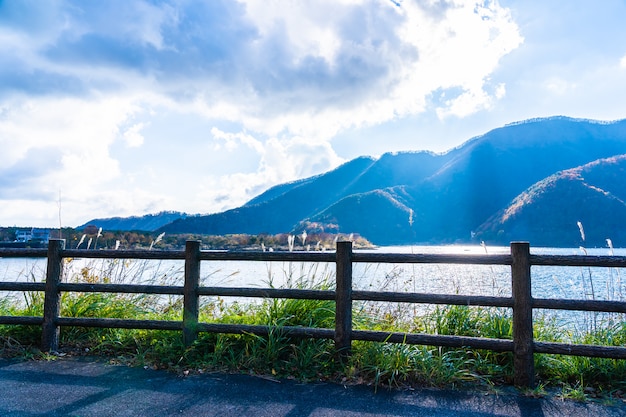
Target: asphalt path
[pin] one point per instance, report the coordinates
(87, 387)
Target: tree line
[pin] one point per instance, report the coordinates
(96, 238)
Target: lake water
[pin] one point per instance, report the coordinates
(547, 281)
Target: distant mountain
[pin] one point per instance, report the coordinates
(147, 223)
(421, 197)
(281, 208)
(483, 176)
(547, 213)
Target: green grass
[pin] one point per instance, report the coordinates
(383, 365)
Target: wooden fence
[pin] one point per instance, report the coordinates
(521, 301)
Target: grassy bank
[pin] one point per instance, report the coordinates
(382, 365)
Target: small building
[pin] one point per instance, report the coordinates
(33, 234)
(23, 235)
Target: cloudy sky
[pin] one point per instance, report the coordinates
(118, 107)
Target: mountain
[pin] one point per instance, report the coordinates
(280, 208)
(148, 223)
(422, 197)
(547, 212)
(483, 176)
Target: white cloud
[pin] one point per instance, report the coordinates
(57, 145)
(467, 103)
(281, 160)
(287, 159)
(461, 51)
(284, 77)
(559, 86)
(132, 135)
(622, 62)
(233, 140)
(297, 157)
(301, 25)
(346, 63)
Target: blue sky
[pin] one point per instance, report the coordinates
(122, 108)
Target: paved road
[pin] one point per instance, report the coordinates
(84, 387)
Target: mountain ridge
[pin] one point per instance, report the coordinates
(148, 222)
(450, 197)
(549, 210)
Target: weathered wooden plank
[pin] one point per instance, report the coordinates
(23, 253)
(22, 286)
(260, 330)
(382, 296)
(52, 300)
(364, 257)
(26, 320)
(110, 323)
(498, 345)
(124, 254)
(614, 352)
(275, 256)
(423, 298)
(398, 258)
(343, 307)
(580, 305)
(267, 293)
(122, 288)
(578, 260)
(523, 362)
(191, 300)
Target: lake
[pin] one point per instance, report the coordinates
(547, 281)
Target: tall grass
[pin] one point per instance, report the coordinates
(613, 290)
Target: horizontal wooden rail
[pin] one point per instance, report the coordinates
(403, 297)
(25, 320)
(124, 254)
(498, 345)
(611, 352)
(22, 286)
(277, 256)
(382, 296)
(259, 330)
(361, 257)
(410, 258)
(579, 260)
(109, 323)
(23, 253)
(121, 288)
(580, 305)
(267, 293)
(521, 302)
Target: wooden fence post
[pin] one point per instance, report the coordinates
(191, 300)
(50, 331)
(523, 360)
(343, 301)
